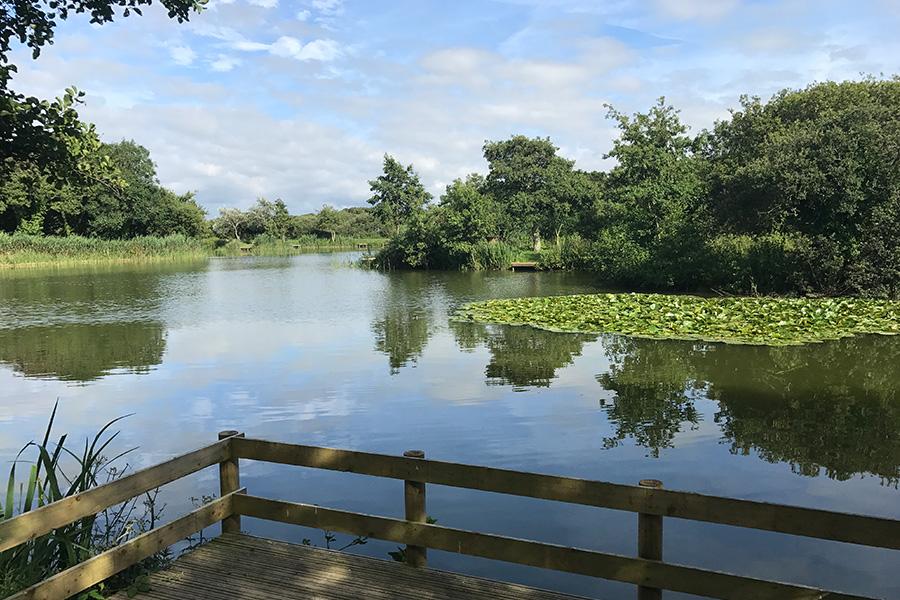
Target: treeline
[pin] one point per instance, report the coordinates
(131, 203)
(797, 194)
(272, 220)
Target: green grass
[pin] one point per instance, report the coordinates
(20, 250)
(267, 246)
(748, 320)
(528, 256)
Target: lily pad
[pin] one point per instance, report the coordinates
(744, 320)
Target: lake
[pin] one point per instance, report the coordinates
(309, 349)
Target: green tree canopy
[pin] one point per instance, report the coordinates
(526, 177)
(33, 202)
(468, 214)
(820, 164)
(656, 183)
(397, 195)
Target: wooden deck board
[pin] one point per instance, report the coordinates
(249, 568)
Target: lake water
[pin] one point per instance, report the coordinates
(308, 349)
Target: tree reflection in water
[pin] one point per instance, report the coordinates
(521, 356)
(83, 352)
(654, 392)
(831, 407)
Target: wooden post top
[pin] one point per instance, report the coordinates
(228, 433)
(650, 483)
(414, 454)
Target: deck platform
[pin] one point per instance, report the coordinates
(237, 566)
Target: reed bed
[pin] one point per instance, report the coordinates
(19, 250)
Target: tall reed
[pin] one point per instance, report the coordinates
(48, 481)
(20, 249)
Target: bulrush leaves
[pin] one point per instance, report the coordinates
(756, 320)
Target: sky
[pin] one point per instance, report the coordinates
(301, 99)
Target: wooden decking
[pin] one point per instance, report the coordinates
(236, 566)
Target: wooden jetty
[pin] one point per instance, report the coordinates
(236, 565)
(523, 265)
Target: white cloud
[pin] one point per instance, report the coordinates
(303, 15)
(286, 46)
(264, 3)
(182, 55)
(329, 7)
(291, 47)
(703, 10)
(323, 50)
(224, 63)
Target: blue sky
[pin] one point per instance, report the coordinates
(299, 99)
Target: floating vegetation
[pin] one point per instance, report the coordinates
(746, 320)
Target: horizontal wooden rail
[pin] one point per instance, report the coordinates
(35, 523)
(103, 566)
(809, 522)
(537, 554)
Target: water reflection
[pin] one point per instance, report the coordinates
(83, 352)
(830, 407)
(655, 390)
(404, 324)
(520, 356)
(827, 407)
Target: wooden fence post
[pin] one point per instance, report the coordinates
(650, 540)
(414, 500)
(229, 481)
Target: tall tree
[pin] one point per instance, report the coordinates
(231, 221)
(656, 182)
(270, 217)
(328, 219)
(397, 195)
(820, 164)
(520, 178)
(467, 213)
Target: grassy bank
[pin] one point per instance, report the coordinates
(268, 246)
(29, 250)
(22, 251)
(749, 320)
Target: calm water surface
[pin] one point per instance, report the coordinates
(309, 350)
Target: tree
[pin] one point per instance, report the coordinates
(521, 170)
(230, 222)
(328, 220)
(270, 217)
(281, 219)
(49, 135)
(32, 202)
(467, 214)
(656, 182)
(397, 195)
(821, 163)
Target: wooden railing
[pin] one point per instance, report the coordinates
(652, 504)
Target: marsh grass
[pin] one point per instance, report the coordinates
(20, 251)
(48, 480)
(737, 320)
(270, 246)
(32, 251)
